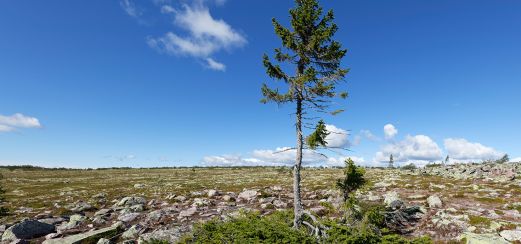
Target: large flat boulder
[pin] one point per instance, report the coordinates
(27, 229)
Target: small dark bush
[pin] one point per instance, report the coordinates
(410, 166)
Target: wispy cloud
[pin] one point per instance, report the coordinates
(204, 35)
(17, 121)
(130, 8)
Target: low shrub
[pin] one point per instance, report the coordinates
(250, 228)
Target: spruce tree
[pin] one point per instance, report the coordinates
(391, 161)
(314, 60)
(353, 179)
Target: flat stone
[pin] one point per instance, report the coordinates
(473, 238)
(511, 235)
(131, 201)
(188, 212)
(79, 238)
(128, 217)
(248, 195)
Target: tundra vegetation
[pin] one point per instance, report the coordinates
(253, 204)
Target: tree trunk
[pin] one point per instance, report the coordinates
(297, 200)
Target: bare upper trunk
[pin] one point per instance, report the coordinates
(297, 201)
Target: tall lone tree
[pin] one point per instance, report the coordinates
(307, 48)
(391, 161)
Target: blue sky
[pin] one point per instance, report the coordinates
(169, 83)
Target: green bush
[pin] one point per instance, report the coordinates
(250, 228)
(410, 166)
(367, 234)
(353, 179)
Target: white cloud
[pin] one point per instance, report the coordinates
(5, 128)
(167, 9)
(212, 64)
(418, 148)
(390, 131)
(337, 137)
(461, 149)
(231, 160)
(340, 161)
(282, 156)
(130, 8)
(516, 160)
(205, 35)
(16, 121)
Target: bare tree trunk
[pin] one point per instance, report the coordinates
(297, 200)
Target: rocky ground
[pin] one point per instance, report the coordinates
(451, 203)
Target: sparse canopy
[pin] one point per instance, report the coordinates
(308, 45)
(311, 83)
(353, 179)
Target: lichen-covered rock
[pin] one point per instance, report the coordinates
(248, 195)
(511, 235)
(391, 197)
(188, 212)
(434, 202)
(131, 201)
(473, 238)
(171, 235)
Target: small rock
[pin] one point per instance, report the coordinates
(171, 235)
(188, 212)
(213, 193)
(131, 201)
(279, 203)
(129, 217)
(156, 215)
(81, 206)
(227, 198)
(473, 238)
(103, 212)
(434, 202)
(391, 197)
(511, 235)
(139, 186)
(132, 232)
(180, 198)
(248, 195)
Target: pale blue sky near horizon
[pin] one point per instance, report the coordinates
(110, 85)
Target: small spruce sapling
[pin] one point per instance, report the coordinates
(353, 179)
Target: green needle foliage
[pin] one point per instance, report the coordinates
(353, 179)
(318, 137)
(313, 58)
